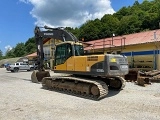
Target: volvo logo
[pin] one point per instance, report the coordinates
(48, 33)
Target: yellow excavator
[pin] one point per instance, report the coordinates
(86, 75)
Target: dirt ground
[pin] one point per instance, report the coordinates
(20, 99)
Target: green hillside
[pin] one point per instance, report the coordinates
(10, 60)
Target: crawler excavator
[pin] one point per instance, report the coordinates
(88, 76)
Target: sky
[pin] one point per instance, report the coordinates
(18, 18)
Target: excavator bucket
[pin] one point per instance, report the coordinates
(37, 76)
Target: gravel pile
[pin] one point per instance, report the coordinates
(20, 99)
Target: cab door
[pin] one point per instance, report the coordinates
(60, 58)
(64, 57)
(70, 57)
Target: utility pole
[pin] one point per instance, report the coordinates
(112, 38)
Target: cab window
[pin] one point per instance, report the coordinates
(78, 50)
(62, 53)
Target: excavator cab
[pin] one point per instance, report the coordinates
(66, 50)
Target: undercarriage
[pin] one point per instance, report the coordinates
(90, 88)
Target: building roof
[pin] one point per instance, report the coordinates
(131, 39)
(46, 40)
(32, 55)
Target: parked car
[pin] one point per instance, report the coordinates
(20, 66)
(7, 68)
(6, 65)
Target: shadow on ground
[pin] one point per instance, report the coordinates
(110, 94)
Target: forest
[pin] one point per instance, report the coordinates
(130, 19)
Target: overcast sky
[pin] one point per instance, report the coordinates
(19, 17)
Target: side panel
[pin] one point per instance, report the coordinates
(61, 67)
(117, 65)
(70, 63)
(92, 63)
(80, 63)
(84, 63)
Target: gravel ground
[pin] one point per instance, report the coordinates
(20, 99)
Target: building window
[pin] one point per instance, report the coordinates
(46, 50)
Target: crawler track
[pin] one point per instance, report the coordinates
(82, 87)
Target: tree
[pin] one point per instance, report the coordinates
(20, 50)
(1, 54)
(74, 31)
(124, 11)
(30, 45)
(146, 5)
(136, 3)
(10, 53)
(89, 31)
(110, 24)
(129, 24)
